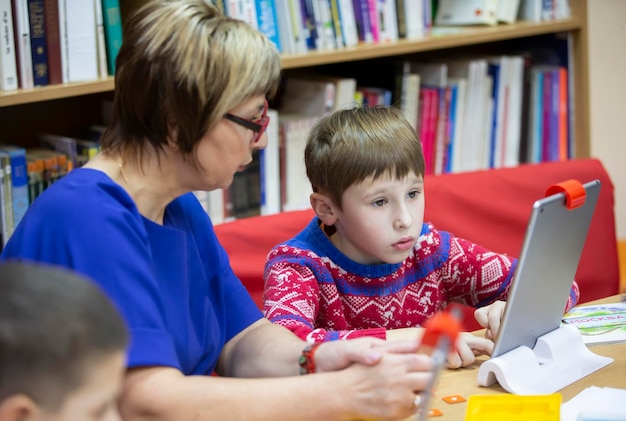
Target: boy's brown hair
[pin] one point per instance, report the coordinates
(350, 145)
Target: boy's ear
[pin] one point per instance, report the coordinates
(18, 408)
(324, 208)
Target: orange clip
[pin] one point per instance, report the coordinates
(443, 323)
(575, 193)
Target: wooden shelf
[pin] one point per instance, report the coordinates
(46, 93)
(440, 38)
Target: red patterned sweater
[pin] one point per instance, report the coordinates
(318, 293)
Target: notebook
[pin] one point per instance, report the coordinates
(547, 265)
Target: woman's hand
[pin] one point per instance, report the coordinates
(490, 317)
(386, 391)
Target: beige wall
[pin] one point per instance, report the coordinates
(607, 93)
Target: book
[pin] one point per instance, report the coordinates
(336, 22)
(38, 43)
(388, 20)
(79, 57)
(8, 59)
(323, 14)
(600, 323)
(112, 21)
(56, 164)
(348, 23)
(35, 168)
(64, 144)
(308, 96)
(295, 187)
(297, 26)
(414, 19)
(362, 19)
(312, 26)
(458, 87)
(507, 11)
(375, 25)
(269, 158)
(53, 42)
(267, 21)
(19, 181)
(21, 28)
(6, 197)
(467, 12)
(530, 10)
(100, 40)
(285, 31)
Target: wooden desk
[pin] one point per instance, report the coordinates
(463, 381)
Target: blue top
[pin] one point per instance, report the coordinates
(172, 283)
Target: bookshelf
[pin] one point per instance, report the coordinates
(469, 37)
(69, 108)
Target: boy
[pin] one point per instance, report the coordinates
(62, 346)
(367, 264)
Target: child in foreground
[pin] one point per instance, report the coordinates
(62, 346)
(368, 264)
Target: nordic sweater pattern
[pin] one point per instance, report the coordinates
(318, 293)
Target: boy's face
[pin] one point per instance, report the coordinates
(381, 219)
(96, 399)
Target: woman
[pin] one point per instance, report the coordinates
(189, 110)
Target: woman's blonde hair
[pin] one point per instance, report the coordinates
(181, 66)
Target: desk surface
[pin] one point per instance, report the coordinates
(463, 381)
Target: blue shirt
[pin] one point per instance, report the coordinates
(172, 283)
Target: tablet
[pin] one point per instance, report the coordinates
(540, 287)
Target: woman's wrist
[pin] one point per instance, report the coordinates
(307, 358)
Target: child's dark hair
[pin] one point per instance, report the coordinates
(54, 325)
(348, 146)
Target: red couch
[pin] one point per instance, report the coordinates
(491, 208)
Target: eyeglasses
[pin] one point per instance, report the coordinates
(257, 126)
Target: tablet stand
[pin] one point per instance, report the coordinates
(558, 359)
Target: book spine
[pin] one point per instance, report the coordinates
(19, 184)
(38, 43)
(80, 24)
(268, 25)
(348, 24)
(424, 121)
(53, 43)
(554, 115)
(563, 116)
(7, 197)
(336, 20)
(21, 29)
(401, 17)
(372, 9)
(494, 72)
(112, 20)
(362, 17)
(547, 123)
(4, 232)
(8, 59)
(100, 40)
(451, 129)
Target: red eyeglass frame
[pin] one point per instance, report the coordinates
(257, 126)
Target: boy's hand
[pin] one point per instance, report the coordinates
(466, 349)
(490, 317)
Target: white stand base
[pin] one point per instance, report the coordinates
(558, 359)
